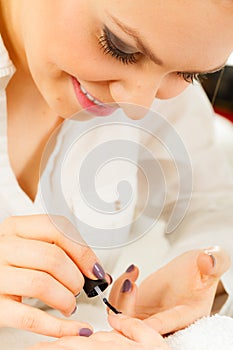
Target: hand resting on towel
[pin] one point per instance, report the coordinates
(177, 294)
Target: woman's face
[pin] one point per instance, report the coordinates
(120, 51)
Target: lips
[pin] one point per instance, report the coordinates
(88, 102)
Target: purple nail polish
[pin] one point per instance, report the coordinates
(130, 268)
(85, 332)
(75, 309)
(98, 271)
(126, 287)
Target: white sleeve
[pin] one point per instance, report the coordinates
(209, 218)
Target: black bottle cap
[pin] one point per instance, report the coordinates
(89, 286)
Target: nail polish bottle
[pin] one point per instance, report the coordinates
(89, 286)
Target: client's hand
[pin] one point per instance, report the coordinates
(129, 334)
(177, 294)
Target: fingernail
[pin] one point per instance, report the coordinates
(98, 271)
(126, 287)
(77, 295)
(110, 278)
(212, 257)
(75, 309)
(210, 251)
(130, 268)
(85, 332)
(112, 314)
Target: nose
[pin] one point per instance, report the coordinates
(135, 93)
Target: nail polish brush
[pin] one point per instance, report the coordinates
(106, 302)
(93, 288)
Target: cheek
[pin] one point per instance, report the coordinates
(171, 86)
(60, 42)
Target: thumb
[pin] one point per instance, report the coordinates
(214, 262)
(138, 331)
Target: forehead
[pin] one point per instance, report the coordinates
(197, 33)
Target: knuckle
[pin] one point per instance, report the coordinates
(8, 226)
(48, 222)
(85, 254)
(49, 225)
(58, 224)
(79, 283)
(61, 330)
(68, 308)
(29, 322)
(54, 257)
(4, 243)
(39, 283)
(58, 228)
(155, 322)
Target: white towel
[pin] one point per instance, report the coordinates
(214, 333)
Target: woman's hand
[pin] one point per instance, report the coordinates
(37, 260)
(177, 294)
(129, 334)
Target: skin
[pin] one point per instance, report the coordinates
(169, 306)
(45, 50)
(129, 334)
(37, 260)
(48, 42)
(176, 31)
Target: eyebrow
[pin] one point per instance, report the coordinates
(148, 52)
(135, 34)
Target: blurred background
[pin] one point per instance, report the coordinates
(219, 89)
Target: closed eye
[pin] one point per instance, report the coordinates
(114, 46)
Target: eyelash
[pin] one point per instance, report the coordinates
(190, 77)
(109, 48)
(126, 58)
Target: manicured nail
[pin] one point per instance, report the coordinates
(110, 278)
(75, 309)
(130, 268)
(85, 332)
(98, 271)
(126, 287)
